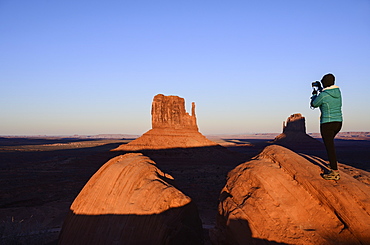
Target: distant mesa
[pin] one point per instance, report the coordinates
(172, 127)
(280, 198)
(294, 134)
(131, 201)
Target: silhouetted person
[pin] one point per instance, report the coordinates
(329, 100)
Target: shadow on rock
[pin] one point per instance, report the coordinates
(175, 226)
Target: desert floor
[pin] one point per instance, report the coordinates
(40, 177)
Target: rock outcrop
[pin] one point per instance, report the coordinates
(169, 112)
(280, 197)
(130, 201)
(295, 123)
(294, 134)
(172, 127)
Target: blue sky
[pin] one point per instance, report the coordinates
(90, 67)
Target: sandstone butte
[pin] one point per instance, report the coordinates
(294, 134)
(279, 197)
(130, 201)
(172, 127)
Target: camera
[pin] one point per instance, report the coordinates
(317, 85)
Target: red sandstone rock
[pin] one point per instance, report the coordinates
(169, 112)
(172, 127)
(167, 138)
(280, 196)
(294, 134)
(295, 123)
(130, 201)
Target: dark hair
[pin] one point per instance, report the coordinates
(328, 80)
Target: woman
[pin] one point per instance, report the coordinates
(330, 103)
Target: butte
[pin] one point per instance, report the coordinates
(172, 127)
(294, 134)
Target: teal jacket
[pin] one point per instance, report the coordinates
(330, 103)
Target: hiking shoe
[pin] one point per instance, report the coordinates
(332, 175)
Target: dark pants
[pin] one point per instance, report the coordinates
(328, 132)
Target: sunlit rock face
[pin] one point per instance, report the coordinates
(172, 127)
(169, 112)
(280, 198)
(294, 134)
(130, 201)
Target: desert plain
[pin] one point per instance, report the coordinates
(42, 175)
